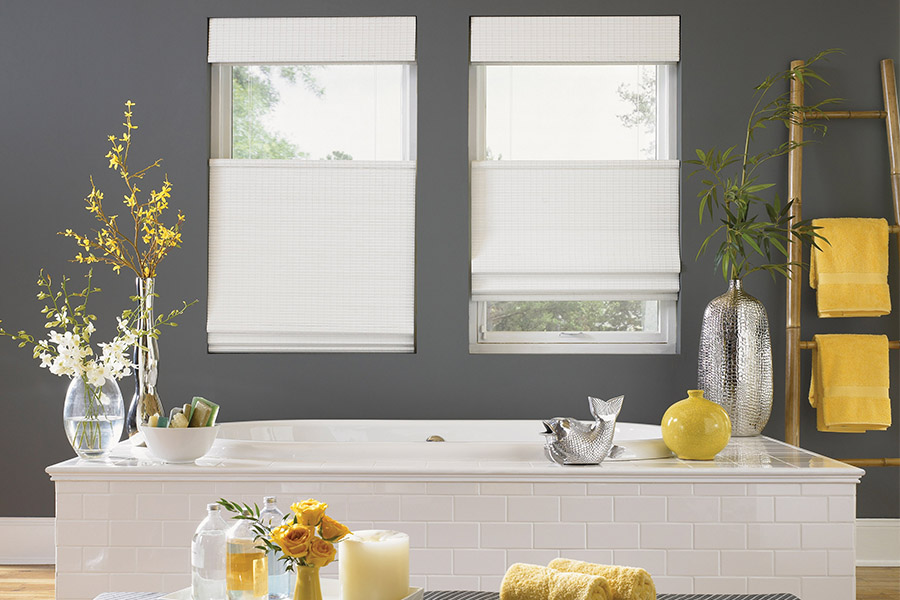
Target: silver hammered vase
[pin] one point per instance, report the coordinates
(735, 363)
(145, 402)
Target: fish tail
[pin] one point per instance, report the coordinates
(606, 410)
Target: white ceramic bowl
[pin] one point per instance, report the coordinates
(179, 445)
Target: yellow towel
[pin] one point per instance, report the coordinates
(533, 582)
(626, 583)
(849, 273)
(850, 383)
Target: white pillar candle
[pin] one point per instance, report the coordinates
(374, 565)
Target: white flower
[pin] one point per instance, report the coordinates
(90, 328)
(46, 359)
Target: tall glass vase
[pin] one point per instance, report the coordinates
(93, 417)
(145, 402)
(735, 362)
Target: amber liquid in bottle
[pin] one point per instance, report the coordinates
(246, 572)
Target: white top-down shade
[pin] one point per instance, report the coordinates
(650, 39)
(577, 230)
(312, 40)
(314, 256)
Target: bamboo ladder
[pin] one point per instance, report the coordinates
(793, 344)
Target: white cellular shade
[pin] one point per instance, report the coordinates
(579, 230)
(312, 40)
(652, 39)
(311, 256)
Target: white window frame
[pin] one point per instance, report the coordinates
(663, 341)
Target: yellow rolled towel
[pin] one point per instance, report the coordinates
(534, 582)
(850, 383)
(625, 583)
(849, 271)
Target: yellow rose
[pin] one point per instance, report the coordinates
(320, 554)
(331, 530)
(293, 539)
(309, 512)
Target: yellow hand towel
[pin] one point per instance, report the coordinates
(533, 582)
(626, 583)
(849, 272)
(850, 383)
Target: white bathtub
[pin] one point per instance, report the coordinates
(501, 440)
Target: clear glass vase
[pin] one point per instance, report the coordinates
(145, 402)
(93, 417)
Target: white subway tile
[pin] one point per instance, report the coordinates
(773, 489)
(479, 508)
(478, 562)
(426, 561)
(82, 487)
(505, 489)
(842, 509)
(755, 563)
(417, 531)
(164, 560)
(614, 535)
(451, 488)
(188, 487)
(766, 536)
(774, 585)
(294, 491)
(692, 562)
(418, 581)
(560, 489)
(613, 489)
(533, 557)
(800, 509)
(600, 557)
(426, 508)
(720, 489)
(81, 585)
(636, 509)
(491, 583)
(146, 582)
(720, 585)
(833, 536)
(123, 507)
(827, 588)
(666, 535)
(590, 509)
(253, 489)
(653, 561)
(69, 506)
(829, 489)
(801, 562)
(748, 509)
(82, 533)
(178, 534)
(666, 489)
(453, 582)
(841, 562)
(68, 559)
(135, 487)
(176, 581)
(135, 533)
(452, 535)
(160, 507)
(373, 508)
(506, 535)
(560, 535)
(693, 509)
(96, 506)
(720, 535)
(106, 559)
(673, 585)
(532, 508)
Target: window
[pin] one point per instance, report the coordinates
(574, 184)
(312, 185)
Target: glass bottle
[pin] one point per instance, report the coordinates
(246, 567)
(279, 577)
(208, 557)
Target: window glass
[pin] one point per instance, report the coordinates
(573, 316)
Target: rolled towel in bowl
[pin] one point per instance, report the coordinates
(534, 582)
(625, 583)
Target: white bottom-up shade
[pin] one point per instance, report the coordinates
(314, 256)
(579, 230)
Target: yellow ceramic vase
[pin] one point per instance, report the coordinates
(696, 428)
(308, 586)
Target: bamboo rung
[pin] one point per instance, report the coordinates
(845, 114)
(893, 345)
(894, 228)
(871, 462)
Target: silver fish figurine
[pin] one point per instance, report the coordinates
(568, 441)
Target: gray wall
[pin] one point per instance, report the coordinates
(67, 67)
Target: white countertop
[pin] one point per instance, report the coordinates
(756, 460)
